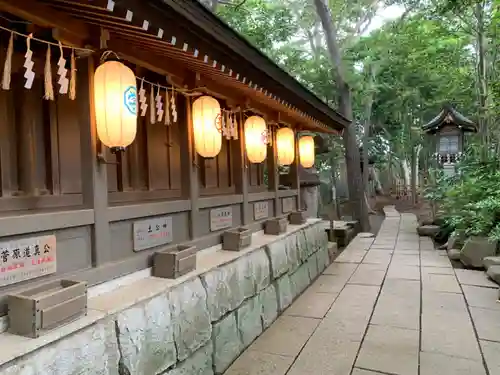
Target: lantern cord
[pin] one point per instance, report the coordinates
(105, 55)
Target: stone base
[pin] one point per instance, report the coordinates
(198, 327)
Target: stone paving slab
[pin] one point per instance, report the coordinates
(491, 352)
(485, 298)
(256, 363)
(390, 350)
(474, 278)
(439, 364)
(487, 323)
(286, 336)
(312, 305)
(394, 306)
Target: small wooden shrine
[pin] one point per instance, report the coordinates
(448, 129)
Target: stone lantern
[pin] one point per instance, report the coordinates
(448, 129)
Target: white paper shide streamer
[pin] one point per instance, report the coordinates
(62, 72)
(159, 106)
(28, 64)
(143, 99)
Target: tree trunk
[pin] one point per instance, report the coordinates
(354, 178)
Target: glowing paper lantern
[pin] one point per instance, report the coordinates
(207, 137)
(255, 134)
(306, 151)
(115, 95)
(285, 143)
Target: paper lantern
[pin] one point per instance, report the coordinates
(207, 137)
(255, 133)
(306, 151)
(285, 143)
(115, 95)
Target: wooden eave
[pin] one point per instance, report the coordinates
(449, 116)
(203, 53)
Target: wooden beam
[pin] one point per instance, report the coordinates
(46, 16)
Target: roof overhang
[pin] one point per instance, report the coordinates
(449, 116)
(186, 43)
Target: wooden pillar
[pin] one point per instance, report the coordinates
(190, 164)
(241, 169)
(273, 174)
(294, 171)
(94, 177)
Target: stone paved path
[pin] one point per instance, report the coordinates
(389, 305)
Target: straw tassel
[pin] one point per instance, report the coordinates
(49, 89)
(152, 109)
(167, 108)
(174, 107)
(72, 82)
(7, 68)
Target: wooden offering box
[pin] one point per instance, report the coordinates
(38, 310)
(174, 262)
(298, 217)
(276, 226)
(236, 239)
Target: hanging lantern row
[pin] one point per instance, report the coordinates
(115, 83)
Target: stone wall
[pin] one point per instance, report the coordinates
(197, 328)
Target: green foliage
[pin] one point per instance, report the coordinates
(469, 202)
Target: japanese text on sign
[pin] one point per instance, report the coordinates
(152, 232)
(27, 258)
(261, 210)
(221, 218)
(287, 204)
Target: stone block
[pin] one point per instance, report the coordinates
(475, 250)
(454, 242)
(304, 245)
(428, 230)
(494, 273)
(300, 280)
(292, 251)
(454, 254)
(226, 342)
(312, 266)
(324, 259)
(146, 337)
(248, 318)
(191, 319)
(285, 295)
(276, 252)
(93, 351)
(269, 303)
(491, 261)
(226, 287)
(258, 271)
(200, 363)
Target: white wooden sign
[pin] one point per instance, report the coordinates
(152, 232)
(260, 210)
(221, 218)
(27, 259)
(287, 204)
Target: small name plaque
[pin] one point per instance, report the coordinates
(27, 259)
(221, 218)
(287, 204)
(152, 232)
(261, 210)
